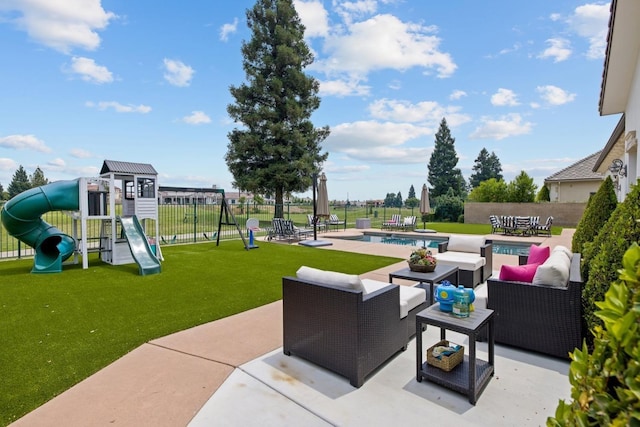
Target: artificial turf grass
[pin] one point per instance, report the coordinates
(58, 329)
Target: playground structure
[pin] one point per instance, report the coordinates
(128, 237)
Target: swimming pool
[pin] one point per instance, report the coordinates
(499, 247)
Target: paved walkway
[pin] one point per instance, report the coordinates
(194, 376)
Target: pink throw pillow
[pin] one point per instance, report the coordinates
(538, 254)
(518, 273)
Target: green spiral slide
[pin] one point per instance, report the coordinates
(21, 217)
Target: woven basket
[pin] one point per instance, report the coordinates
(421, 268)
(446, 363)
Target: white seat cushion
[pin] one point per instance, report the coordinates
(410, 296)
(463, 260)
(482, 294)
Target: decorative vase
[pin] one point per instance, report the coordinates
(420, 268)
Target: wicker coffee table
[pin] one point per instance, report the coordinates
(472, 375)
(441, 273)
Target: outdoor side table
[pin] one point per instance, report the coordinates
(472, 375)
(441, 273)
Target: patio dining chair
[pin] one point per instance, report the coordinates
(546, 228)
(496, 225)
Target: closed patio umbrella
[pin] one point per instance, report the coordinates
(323, 197)
(424, 203)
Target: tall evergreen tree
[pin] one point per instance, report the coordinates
(390, 200)
(486, 166)
(1, 192)
(398, 202)
(278, 149)
(19, 182)
(443, 173)
(37, 179)
(412, 193)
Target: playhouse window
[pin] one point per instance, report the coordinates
(129, 191)
(146, 188)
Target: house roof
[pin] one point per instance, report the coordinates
(623, 46)
(581, 170)
(614, 149)
(114, 166)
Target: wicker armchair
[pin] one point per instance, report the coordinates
(541, 318)
(340, 329)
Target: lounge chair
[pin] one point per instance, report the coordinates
(394, 222)
(409, 223)
(320, 226)
(334, 220)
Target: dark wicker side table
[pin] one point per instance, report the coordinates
(441, 273)
(472, 375)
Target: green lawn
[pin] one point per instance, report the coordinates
(58, 329)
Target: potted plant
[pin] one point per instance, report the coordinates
(422, 260)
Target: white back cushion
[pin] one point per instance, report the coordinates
(333, 278)
(465, 243)
(554, 271)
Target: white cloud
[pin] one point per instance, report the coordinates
(425, 112)
(59, 24)
(89, 71)
(352, 10)
(457, 94)
(197, 118)
(177, 73)
(314, 17)
(384, 42)
(119, 108)
(368, 134)
(505, 127)
(80, 153)
(343, 88)
(8, 164)
(559, 49)
(24, 142)
(504, 98)
(591, 22)
(227, 29)
(554, 95)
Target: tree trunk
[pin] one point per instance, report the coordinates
(279, 213)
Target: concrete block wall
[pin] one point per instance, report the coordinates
(564, 214)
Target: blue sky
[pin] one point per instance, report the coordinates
(147, 81)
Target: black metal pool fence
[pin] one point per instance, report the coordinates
(198, 222)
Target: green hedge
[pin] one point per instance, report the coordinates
(605, 384)
(602, 258)
(599, 209)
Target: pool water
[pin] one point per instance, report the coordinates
(499, 247)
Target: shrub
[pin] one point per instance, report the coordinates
(543, 195)
(448, 207)
(605, 383)
(599, 208)
(461, 219)
(602, 257)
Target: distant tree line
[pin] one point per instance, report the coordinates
(448, 189)
(23, 182)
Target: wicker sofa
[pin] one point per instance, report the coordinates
(539, 317)
(347, 329)
(473, 255)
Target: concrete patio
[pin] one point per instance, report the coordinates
(233, 372)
